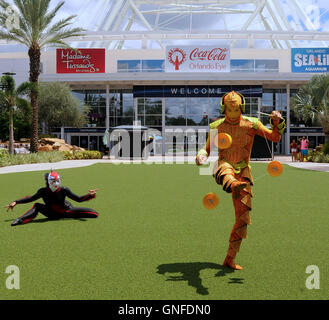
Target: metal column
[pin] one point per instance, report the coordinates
(107, 121)
(163, 126)
(287, 146)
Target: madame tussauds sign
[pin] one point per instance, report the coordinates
(197, 59)
(82, 61)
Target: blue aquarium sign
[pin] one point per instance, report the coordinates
(310, 60)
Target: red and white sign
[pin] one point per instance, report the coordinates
(83, 61)
(197, 59)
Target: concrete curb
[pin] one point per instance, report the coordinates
(68, 164)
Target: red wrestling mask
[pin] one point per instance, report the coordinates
(54, 181)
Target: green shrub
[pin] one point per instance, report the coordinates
(45, 157)
(320, 157)
(82, 155)
(41, 157)
(4, 153)
(68, 155)
(325, 148)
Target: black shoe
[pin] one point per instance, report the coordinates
(17, 222)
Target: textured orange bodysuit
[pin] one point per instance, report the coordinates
(233, 165)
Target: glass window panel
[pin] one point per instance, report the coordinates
(112, 112)
(267, 99)
(153, 121)
(84, 142)
(153, 106)
(266, 65)
(175, 106)
(247, 110)
(197, 120)
(178, 120)
(281, 101)
(141, 120)
(153, 65)
(141, 107)
(101, 146)
(102, 98)
(254, 110)
(93, 143)
(197, 105)
(214, 107)
(80, 95)
(129, 65)
(242, 65)
(129, 121)
(113, 122)
(102, 112)
(75, 141)
(128, 103)
(94, 111)
(92, 97)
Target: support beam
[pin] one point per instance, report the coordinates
(144, 21)
(305, 18)
(260, 7)
(276, 21)
(287, 151)
(109, 19)
(130, 23)
(267, 27)
(107, 121)
(284, 19)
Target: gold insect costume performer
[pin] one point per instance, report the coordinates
(232, 170)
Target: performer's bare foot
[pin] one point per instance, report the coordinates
(229, 262)
(237, 186)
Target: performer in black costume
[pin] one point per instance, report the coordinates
(55, 206)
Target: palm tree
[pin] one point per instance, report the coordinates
(312, 102)
(36, 31)
(10, 97)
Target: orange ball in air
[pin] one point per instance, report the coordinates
(275, 168)
(210, 201)
(223, 141)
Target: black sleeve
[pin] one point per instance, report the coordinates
(29, 199)
(76, 198)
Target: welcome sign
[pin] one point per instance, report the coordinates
(82, 61)
(197, 59)
(310, 60)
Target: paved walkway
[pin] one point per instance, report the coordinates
(158, 159)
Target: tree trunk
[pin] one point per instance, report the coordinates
(34, 54)
(11, 130)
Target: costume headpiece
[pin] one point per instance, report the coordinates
(233, 96)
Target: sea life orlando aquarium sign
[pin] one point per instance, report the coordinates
(310, 60)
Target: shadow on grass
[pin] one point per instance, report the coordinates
(43, 220)
(190, 272)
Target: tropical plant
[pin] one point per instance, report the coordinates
(10, 97)
(312, 102)
(33, 25)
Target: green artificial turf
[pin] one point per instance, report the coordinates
(155, 240)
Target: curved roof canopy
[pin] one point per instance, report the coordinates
(125, 24)
(153, 24)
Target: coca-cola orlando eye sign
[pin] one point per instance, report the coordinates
(198, 59)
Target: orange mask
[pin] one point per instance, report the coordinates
(233, 103)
